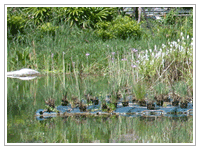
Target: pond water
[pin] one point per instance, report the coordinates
(24, 98)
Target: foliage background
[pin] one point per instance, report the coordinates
(35, 34)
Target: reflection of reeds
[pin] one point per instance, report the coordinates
(106, 130)
(64, 69)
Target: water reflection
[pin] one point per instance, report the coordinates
(24, 78)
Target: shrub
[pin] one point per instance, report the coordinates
(86, 16)
(16, 22)
(39, 14)
(122, 27)
(48, 28)
(44, 18)
(104, 30)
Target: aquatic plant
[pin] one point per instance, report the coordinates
(139, 90)
(181, 88)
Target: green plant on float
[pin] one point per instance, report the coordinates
(50, 109)
(161, 88)
(181, 88)
(139, 89)
(111, 106)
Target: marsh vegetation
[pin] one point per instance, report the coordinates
(83, 57)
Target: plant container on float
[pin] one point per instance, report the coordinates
(159, 102)
(151, 106)
(183, 104)
(82, 108)
(104, 106)
(95, 102)
(175, 103)
(142, 103)
(125, 104)
(115, 104)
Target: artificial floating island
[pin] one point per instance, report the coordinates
(164, 106)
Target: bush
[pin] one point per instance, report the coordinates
(122, 27)
(85, 16)
(47, 19)
(39, 15)
(16, 22)
(47, 28)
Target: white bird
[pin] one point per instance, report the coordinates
(22, 73)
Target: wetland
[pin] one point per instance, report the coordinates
(103, 78)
